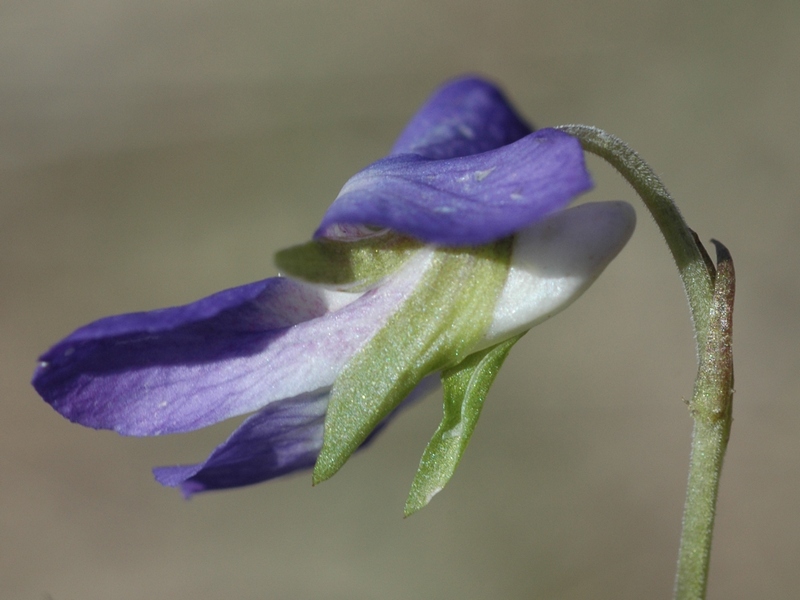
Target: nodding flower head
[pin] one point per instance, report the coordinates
(429, 265)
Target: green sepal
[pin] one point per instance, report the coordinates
(355, 265)
(434, 328)
(465, 388)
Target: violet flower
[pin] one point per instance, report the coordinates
(434, 260)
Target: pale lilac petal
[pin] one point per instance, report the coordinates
(468, 200)
(173, 371)
(465, 116)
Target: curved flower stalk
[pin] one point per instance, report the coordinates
(428, 266)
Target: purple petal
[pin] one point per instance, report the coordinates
(284, 437)
(465, 116)
(134, 372)
(468, 200)
(232, 353)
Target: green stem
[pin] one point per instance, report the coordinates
(688, 254)
(710, 293)
(711, 407)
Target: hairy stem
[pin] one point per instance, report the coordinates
(711, 407)
(688, 254)
(710, 292)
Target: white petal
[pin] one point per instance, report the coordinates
(555, 260)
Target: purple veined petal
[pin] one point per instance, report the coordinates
(465, 116)
(283, 437)
(143, 373)
(468, 200)
(554, 261)
(187, 367)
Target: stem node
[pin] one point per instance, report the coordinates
(710, 291)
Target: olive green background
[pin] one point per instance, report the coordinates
(154, 152)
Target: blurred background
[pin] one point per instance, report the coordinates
(154, 152)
